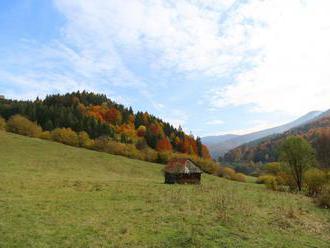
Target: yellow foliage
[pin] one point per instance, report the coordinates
(229, 173)
(65, 136)
(84, 140)
(46, 135)
(240, 177)
(2, 124)
(21, 125)
(315, 180)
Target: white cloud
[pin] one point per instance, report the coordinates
(176, 118)
(180, 35)
(290, 70)
(215, 122)
(277, 51)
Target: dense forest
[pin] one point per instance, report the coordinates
(267, 149)
(102, 119)
(99, 116)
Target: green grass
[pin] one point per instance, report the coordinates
(52, 195)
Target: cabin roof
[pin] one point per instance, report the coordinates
(181, 165)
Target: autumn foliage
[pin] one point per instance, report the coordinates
(93, 121)
(21, 125)
(163, 145)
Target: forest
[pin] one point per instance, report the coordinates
(317, 133)
(93, 121)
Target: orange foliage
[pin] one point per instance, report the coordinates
(131, 119)
(113, 116)
(126, 129)
(155, 129)
(97, 112)
(163, 145)
(188, 145)
(205, 152)
(96, 115)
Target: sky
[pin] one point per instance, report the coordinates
(211, 66)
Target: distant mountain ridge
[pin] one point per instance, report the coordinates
(266, 149)
(219, 145)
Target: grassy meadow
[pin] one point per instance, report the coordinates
(52, 195)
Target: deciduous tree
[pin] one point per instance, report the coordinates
(298, 155)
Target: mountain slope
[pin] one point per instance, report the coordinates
(317, 132)
(211, 140)
(52, 195)
(219, 146)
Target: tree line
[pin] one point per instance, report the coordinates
(267, 150)
(98, 116)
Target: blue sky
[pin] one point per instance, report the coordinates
(213, 66)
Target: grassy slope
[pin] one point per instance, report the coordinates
(60, 196)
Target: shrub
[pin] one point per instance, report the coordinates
(228, 173)
(131, 152)
(207, 165)
(65, 136)
(84, 140)
(2, 124)
(264, 179)
(45, 135)
(240, 177)
(323, 199)
(141, 144)
(315, 180)
(150, 155)
(107, 145)
(273, 168)
(163, 157)
(20, 125)
(271, 183)
(100, 144)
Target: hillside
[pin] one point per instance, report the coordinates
(53, 195)
(317, 132)
(99, 117)
(219, 145)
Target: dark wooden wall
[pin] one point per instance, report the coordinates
(191, 178)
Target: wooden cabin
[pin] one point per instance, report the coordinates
(182, 171)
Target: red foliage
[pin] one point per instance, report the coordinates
(113, 116)
(163, 145)
(141, 131)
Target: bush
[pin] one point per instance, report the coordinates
(273, 168)
(105, 144)
(323, 199)
(315, 180)
(271, 183)
(65, 136)
(101, 143)
(228, 173)
(240, 177)
(84, 140)
(207, 165)
(163, 157)
(141, 144)
(150, 155)
(20, 125)
(2, 124)
(265, 179)
(45, 135)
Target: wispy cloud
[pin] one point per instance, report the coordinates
(289, 73)
(215, 122)
(265, 56)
